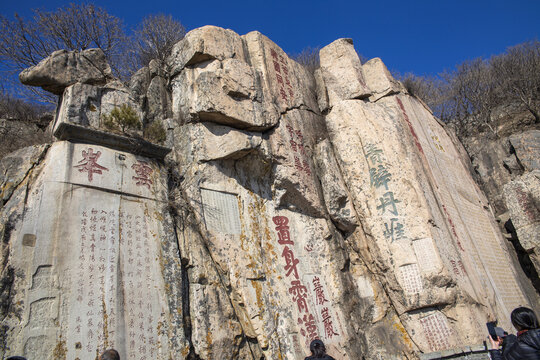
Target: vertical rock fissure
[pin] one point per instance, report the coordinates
(523, 256)
(188, 213)
(173, 185)
(27, 174)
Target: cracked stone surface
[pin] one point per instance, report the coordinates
(272, 221)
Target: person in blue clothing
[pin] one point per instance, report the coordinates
(527, 344)
(318, 351)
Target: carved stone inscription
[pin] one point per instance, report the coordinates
(436, 331)
(95, 280)
(329, 329)
(141, 306)
(426, 254)
(116, 290)
(221, 212)
(411, 279)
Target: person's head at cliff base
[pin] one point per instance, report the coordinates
(110, 354)
(318, 351)
(317, 348)
(524, 319)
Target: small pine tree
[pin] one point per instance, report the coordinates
(123, 117)
(155, 132)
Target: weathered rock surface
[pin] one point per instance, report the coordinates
(64, 68)
(342, 72)
(522, 197)
(268, 225)
(527, 149)
(379, 80)
(506, 167)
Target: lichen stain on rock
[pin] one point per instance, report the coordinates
(404, 335)
(60, 350)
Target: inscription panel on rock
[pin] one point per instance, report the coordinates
(221, 212)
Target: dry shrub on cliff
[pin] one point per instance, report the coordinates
(25, 42)
(518, 75)
(16, 109)
(155, 37)
(469, 96)
(308, 58)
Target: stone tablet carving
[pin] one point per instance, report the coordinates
(411, 279)
(436, 331)
(426, 254)
(221, 212)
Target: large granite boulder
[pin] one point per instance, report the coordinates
(64, 68)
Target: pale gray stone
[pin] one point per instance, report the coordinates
(322, 94)
(342, 72)
(222, 92)
(203, 44)
(64, 68)
(284, 83)
(379, 80)
(208, 141)
(335, 193)
(527, 149)
(157, 100)
(522, 198)
(139, 83)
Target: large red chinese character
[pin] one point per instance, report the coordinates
(299, 293)
(290, 261)
(309, 330)
(284, 237)
(280, 221)
(89, 163)
(276, 66)
(143, 172)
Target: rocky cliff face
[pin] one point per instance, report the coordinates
(290, 207)
(506, 166)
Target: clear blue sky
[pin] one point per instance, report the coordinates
(423, 36)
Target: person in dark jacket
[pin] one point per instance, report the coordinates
(318, 351)
(527, 344)
(110, 354)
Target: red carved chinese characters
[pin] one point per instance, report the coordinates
(281, 71)
(291, 262)
(299, 294)
(284, 237)
(299, 152)
(143, 171)
(89, 163)
(308, 329)
(297, 290)
(453, 228)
